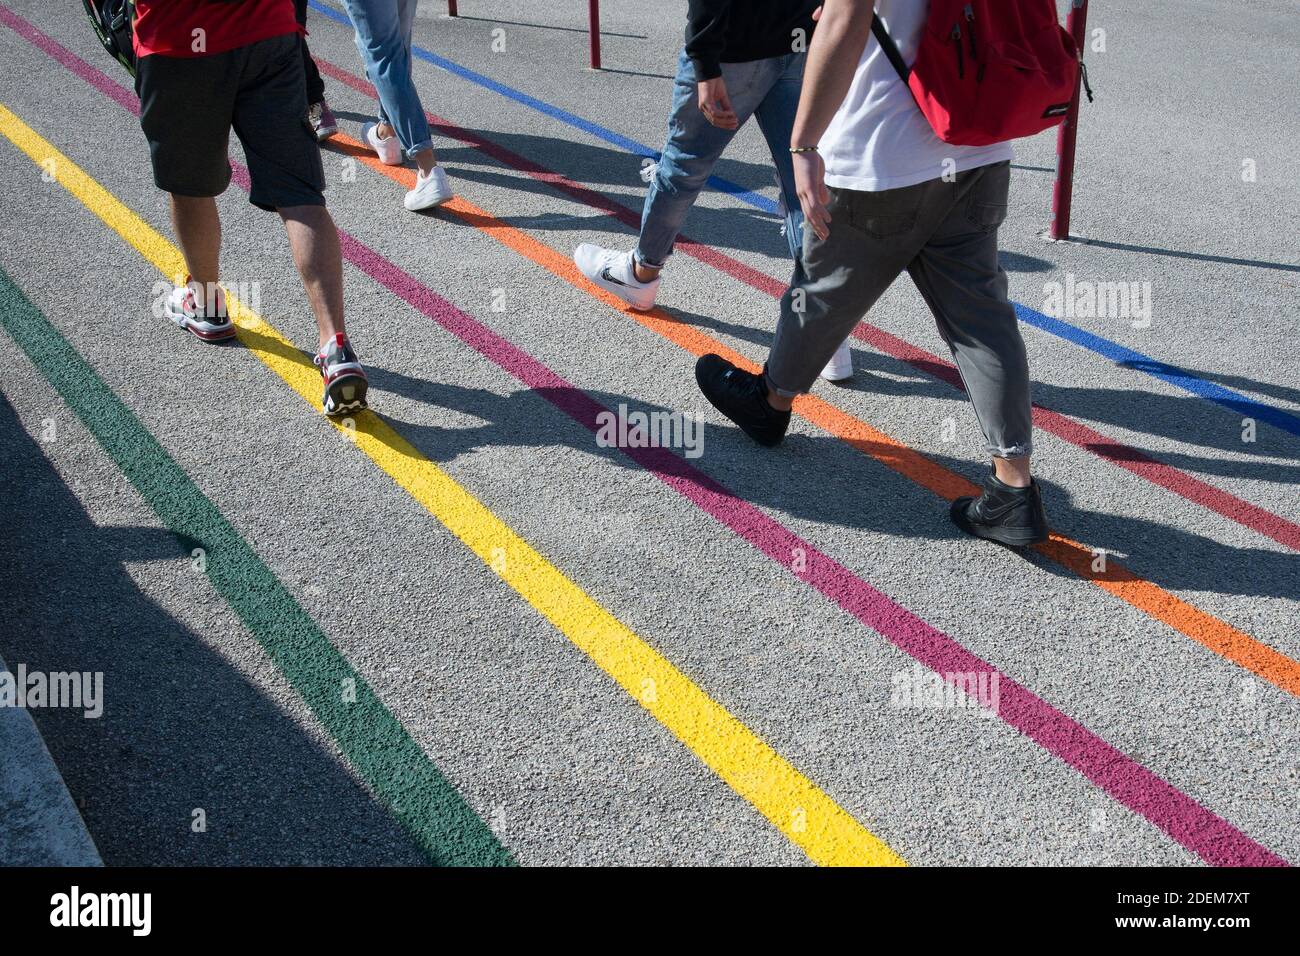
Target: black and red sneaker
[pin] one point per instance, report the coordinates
(345, 379)
(210, 323)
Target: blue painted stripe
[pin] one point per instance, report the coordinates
(1127, 357)
(564, 116)
(1177, 377)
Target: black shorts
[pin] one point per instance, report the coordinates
(189, 105)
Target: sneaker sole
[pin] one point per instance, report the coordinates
(1011, 537)
(203, 335)
(339, 410)
(429, 205)
(346, 394)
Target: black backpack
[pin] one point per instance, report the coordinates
(112, 20)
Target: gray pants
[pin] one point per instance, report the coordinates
(945, 234)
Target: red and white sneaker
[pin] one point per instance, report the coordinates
(211, 323)
(345, 379)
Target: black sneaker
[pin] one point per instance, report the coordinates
(345, 379)
(1007, 515)
(742, 397)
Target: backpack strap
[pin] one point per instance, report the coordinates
(890, 47)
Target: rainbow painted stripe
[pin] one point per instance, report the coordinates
(788, 799)
(1124, 779)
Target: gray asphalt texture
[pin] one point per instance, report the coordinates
(531, 733)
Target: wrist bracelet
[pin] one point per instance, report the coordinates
(803, 149)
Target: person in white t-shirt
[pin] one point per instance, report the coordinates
(882, 194)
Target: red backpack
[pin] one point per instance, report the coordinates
(989, 70)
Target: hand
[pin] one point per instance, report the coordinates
(810, 185)
(716, 105)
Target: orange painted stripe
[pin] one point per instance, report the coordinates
(1219, 636)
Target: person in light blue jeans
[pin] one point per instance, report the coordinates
(385, 29)
(766, 89)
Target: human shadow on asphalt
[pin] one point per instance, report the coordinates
(738, 229)
(593, 164)
(1184, 254)
(588, 164)
(1019, 262)
(823, 479)
(1183, 418)
(1238, 382)
(182, 728)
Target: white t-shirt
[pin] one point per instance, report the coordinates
(879, 140)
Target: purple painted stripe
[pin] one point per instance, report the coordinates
(1198, 829)
(75, 64)
(1127, 781)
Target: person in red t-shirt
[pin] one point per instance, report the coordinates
(205, 67)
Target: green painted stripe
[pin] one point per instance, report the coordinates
(373, 740)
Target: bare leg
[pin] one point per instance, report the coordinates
(198, 230)
(781, 403)
(315, 244)
(1012, 471)
(644, 273)
(426, 160)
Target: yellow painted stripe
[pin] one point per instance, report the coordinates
(793, 803)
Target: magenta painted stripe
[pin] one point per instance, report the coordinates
(1193, 826)
(1139, 463)
(561, 183)
(1204, 833)
(75, 64)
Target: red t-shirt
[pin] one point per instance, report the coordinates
(206, 27)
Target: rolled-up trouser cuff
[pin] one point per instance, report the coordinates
(419, 148)
(779, 389)
(646, 262)
(427, 143)
(1022, 450)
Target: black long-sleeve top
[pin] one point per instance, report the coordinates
(737, 31)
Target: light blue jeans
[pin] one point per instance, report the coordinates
(765, 89)
(384, 29)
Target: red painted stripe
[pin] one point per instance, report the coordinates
(1116, 452)
(1127, 781)
(1126, 457)
(1195, 827)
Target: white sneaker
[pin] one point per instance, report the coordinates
(840, 367)
(432, 190)
(389, 150)
(613, 272)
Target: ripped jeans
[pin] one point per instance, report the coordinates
(765, 89)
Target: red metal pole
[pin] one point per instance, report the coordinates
(451, 9)
(593, 10)
(1063, 190)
